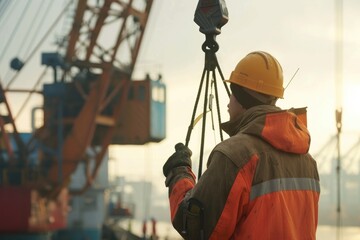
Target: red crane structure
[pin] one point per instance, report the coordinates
(93, 102)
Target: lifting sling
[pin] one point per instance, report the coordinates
(210, 15)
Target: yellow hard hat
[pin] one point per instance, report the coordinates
(260, 72)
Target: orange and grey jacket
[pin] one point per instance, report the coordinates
(261, 183)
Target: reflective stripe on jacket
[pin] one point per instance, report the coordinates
(260, 183)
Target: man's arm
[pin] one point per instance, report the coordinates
(211, 208)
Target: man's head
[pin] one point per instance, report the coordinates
(256, 80)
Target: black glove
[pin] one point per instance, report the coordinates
(181, 157)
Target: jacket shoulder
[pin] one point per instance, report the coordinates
(239, 148)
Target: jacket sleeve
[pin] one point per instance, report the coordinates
(180, 181)
(211, 208)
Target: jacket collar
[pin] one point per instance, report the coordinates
(235, 126)
(285, 130)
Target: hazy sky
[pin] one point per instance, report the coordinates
(300, 34)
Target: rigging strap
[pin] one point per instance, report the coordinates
(210, 15)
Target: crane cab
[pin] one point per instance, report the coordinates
(142, 118)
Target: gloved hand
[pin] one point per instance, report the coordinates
(181, 157)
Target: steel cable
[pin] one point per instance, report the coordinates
(40, 42)
(15, 29)
(28, 31)
(9, 13)
(40, 24)
(3, 6)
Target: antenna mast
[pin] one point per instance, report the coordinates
(339, 96)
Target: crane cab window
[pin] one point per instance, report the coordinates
(137, 92)
(158, 94)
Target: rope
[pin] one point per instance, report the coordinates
(210, 47)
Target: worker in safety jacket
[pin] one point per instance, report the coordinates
(261, 183)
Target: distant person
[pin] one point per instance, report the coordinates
(144, 229)
(261, 182)
(154, 235)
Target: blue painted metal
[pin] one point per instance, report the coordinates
(14, 177)
(72, 101)
(27, 236)
(158, 111)
(78, 234)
